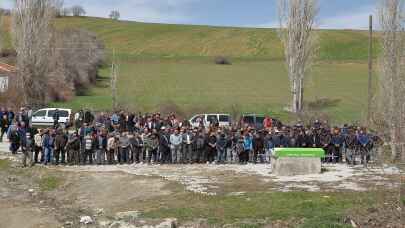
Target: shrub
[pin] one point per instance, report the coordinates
(222, 61)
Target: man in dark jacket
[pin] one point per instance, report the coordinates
(212, 147)
(60, 144)
(73, 149)
(4, 124)
(258, 147)
(164, 146)
(337, 141)
(101, 146)
(221, 147)
(199, 149)
(187, 146)
(56, 117)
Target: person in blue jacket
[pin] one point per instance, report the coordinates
(363, 140)
(247, 148)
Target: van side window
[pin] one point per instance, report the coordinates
(223, 118)
(211, 118)
(61, 113)
(40, 113)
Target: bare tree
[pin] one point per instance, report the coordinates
(1, 31)
(31, 33)
(114, 79)
(115, 15)
(59, 7)
(392, 79)
(297, 19)
(78, 11)
(76, 55)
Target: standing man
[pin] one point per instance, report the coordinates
(221, 147)
(88, 149)
(136, 147)
(56, 117)
(164, 146)
(247, 148)
(101, 143)
(60, 144)
(199, 147)
(258, 148)
(364, 140)
(4, 124)
(187, 147)
(38, 147)
(112, 148)
(124, 147)
(47, 143)
(212, 147)
(73, 149)
(176, 141)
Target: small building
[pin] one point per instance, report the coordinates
(6, 72)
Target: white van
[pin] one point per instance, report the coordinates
(222, 119)
(44, 117)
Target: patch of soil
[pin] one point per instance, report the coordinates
(111, 192)
(16, 215)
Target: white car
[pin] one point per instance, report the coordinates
(44, 117)
(222, 119)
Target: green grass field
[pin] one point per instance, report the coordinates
(174, 63)
(261, 87)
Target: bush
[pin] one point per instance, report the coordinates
(4, 53)
(222, 61)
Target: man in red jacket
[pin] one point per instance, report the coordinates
(267, 123)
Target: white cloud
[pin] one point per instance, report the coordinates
(350, 20)
(162, 11)
(357, 19)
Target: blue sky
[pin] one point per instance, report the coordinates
(336, 14)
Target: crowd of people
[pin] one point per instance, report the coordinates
(127, 138)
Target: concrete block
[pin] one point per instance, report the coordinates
(291, 166)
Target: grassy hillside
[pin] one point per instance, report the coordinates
(173, 63)
(142, 39)
(187, 41)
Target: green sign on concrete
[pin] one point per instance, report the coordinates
(299, 152)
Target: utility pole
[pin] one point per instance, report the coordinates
(114, 82)
(370, 69)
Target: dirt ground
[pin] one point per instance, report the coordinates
(113, 196)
